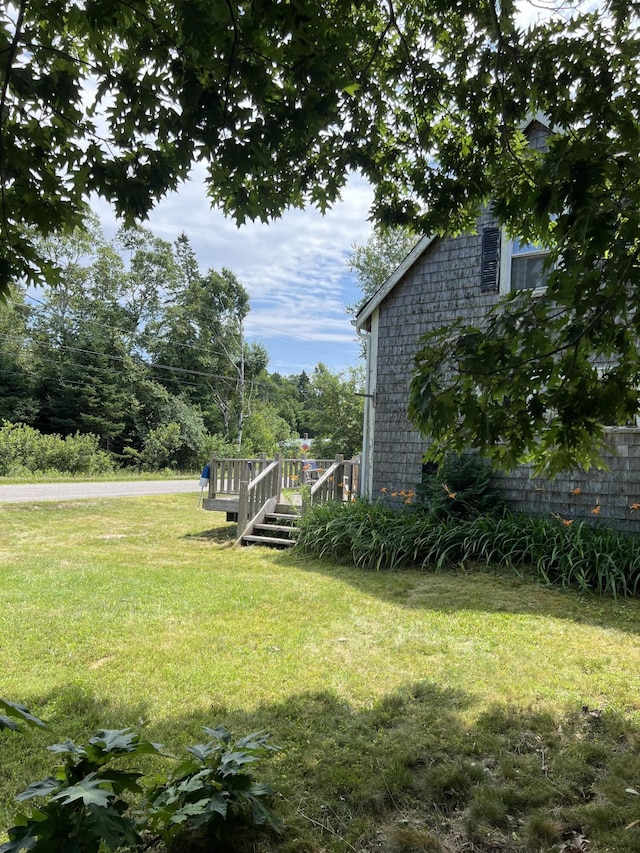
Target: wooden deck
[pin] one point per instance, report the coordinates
(228, 503)
(247, 490)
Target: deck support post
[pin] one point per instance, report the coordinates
(243, 505)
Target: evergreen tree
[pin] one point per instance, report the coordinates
(17, 401)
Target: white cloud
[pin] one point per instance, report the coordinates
(294, 268)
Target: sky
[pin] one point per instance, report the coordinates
(294, 269)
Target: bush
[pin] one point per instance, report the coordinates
(86, 805)
(588, 557)
(462, 487)
(25, 451)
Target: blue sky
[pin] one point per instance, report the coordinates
(294, 270)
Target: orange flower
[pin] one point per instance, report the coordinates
(566, 521)
(634, 507)
(452, 495)
(384, 490)
(408, 501)
(394, 494)
(576, 491)
(596, 510)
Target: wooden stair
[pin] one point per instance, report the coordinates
(277, 530)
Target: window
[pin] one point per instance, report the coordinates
(522, 266)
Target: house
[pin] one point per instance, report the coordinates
(441, 280)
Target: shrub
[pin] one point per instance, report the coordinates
(85, 806)
(463, 486)
(588, 557)
(24, 450)
(212, 794)
(161, 446)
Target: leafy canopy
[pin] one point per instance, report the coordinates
(283, 100)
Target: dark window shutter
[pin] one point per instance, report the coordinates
(490, 271)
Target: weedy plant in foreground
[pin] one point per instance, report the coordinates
(16, 717)
(86, 806)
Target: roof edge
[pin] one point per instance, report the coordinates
(382, 292)
(380, 295)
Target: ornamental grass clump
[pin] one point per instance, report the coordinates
(371, 536)
(583, 556)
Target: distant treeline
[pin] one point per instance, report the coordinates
(140, 356)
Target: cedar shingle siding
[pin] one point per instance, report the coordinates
(443, 285)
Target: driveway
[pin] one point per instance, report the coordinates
(35, 492)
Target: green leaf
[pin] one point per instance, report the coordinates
(88, 790)
(219, 732)
(39, 789)
(110, 828)
(15, 715)
(67, 747)
(21, 840)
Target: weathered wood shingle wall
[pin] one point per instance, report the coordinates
(443, 285)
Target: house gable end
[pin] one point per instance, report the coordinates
(363, 316)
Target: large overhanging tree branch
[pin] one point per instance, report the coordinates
(282, 100)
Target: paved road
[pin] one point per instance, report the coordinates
(34, 492)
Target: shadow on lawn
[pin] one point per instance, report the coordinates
(358, 777)
(480, 590)
(224, 534)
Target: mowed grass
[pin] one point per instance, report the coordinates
(416, 711)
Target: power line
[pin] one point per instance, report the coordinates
(292, 334)
(136, 360)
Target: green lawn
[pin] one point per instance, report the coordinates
(416, 711)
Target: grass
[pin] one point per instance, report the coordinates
(426, 712)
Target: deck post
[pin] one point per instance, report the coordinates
(213, 475)
(243, 506)
(279, 478)
(338, 478)
(347, 481)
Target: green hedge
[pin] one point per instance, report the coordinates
(25, 451)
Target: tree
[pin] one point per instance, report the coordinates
(375, 261)
(284, 100)
(200, 338)
(335, 411)
(378, 258)
(82, 357)
(17, 401)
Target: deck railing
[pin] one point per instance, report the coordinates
(255, 495)
(258, 482)
(225, 475)
(339, 482)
